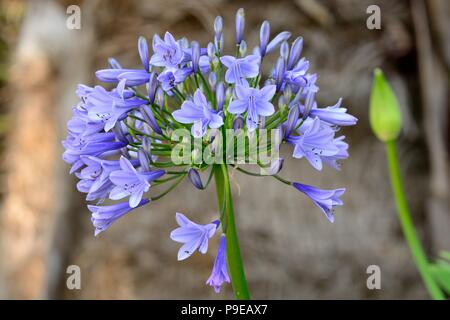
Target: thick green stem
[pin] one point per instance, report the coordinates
(236, 267)
(407, 224)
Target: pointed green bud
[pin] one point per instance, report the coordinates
(385, 116)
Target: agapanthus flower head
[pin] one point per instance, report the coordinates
(191, 109)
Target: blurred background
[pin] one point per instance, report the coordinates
(290, 250)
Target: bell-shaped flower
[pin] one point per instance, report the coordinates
(193, 236)
(316, 140)
(326, 200)
(219, 273)
(129, 182)
(103, 216)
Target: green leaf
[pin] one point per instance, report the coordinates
(440, 271)
(385, 116)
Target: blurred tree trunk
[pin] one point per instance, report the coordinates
(37, 216)
(434, 87)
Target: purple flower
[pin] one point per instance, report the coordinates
(297, 76)
(277, 41)
(334, 115)
(264, 35)
(332, 161)
(255, 101)
(167, 53)
(326, 200)
(193, 236)
(195, 178)
(93, 145)
(95, 177)
(130, 182)
(170, 77)
(239, 69)
(199, 113)
(143, 52)
(315, 141)
(296, 51)
(219, 273)
(133, 77)
(103, 216)
(240, 25)
(108, 107)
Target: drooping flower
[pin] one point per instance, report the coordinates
(255, 101)
(239, 69)
(193, 236)
(199, 113)
(167, 53)
(103, 216)
(326, 200)
(129, 182)
(219, 273)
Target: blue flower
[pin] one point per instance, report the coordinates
(334, 115)
(199, 113)
(255, 101)
(94, 145)
(326, 200)
(239, 69)
(103, 216)
(332, 161)
(219, 273)
(108, 107)
(130, 182)
(314, 142)
(167, 53)
(193, 236)
(170, 77)
(94, 178)
(297, 76)
(133, 77)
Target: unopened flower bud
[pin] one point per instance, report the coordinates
(264, 36)
(195, 179)
(384, 114)
(240, 25)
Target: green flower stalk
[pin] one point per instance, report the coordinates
(385, 120)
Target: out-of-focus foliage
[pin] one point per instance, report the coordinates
(441, 271)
